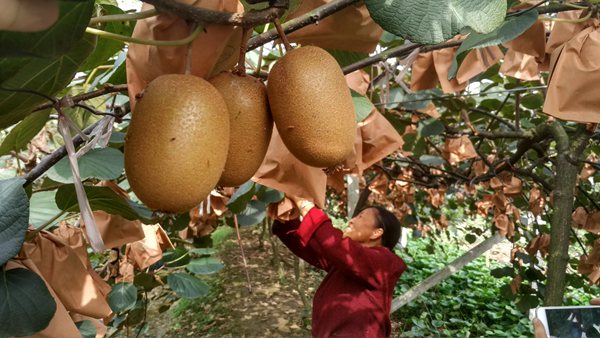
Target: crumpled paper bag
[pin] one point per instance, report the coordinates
(213, 51)
(350, 29)
(282, 171)
(574, 76)
(149, 250)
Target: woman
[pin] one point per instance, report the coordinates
(355, 297)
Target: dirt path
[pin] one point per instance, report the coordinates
(274, 308)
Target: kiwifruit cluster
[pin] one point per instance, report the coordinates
(188, 135)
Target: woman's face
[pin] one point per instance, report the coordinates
(363, 228)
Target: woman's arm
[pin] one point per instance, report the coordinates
(369, 265)
(286, 231)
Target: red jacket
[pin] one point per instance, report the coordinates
(355, 297)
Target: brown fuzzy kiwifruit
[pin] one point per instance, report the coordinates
(177, 142)
(312, 106)
(251, 125)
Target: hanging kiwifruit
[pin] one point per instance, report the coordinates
(251, 125)
(312, 106)
(177, 142)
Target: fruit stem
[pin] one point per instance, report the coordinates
(561, 20)
(124, 17)
(188, 56)
(128, 39)
(237, 229)
(241, 66)
(282, 35)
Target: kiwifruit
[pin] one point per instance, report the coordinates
(177, 142)
(312, 106)
(251, 125)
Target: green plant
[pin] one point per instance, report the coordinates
(468, 304)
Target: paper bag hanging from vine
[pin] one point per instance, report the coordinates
(350, 29)
(521, 66)
(68, 276)
(114, 229)
(61, 324)
(217, 43)
(282, 171)
(574, 77)
(432, 68)
(564, 31)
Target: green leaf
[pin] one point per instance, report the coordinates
(122, 297)
(177, 257)
(86, 328)
(106, 48)
(187, 286)
(507, 271)
(269, 195)
(345, 58)
(527, 302)
(431, 160)
(42, 75)
(146, 281)
(255, 212)
(203, 251)
(509, 30)
(205, 265)
(26, 305)
(14, 217)
(100, 198)
(362, 106)
(55, 41)
(434, 21)
(22, 133)
(103, 164)
(430, 127)
(42, 208)
(532, 101)
(241, 197)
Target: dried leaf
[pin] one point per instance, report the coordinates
(484, 205)
(504, 225)
(515, 284)
(579, 216)
(539, 244)
(593, 223)
(500, 201)
(458, 149)
(537, 201)
(479, 168)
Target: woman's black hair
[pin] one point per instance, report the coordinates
(390, 224)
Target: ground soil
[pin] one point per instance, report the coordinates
(274, 308)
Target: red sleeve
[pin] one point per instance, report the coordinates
(287, 233)
(368, 264)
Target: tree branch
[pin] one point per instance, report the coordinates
(406, 49)
(564, 194)
(502, 134)
(106, 89)
(204, 16)
(309, 18)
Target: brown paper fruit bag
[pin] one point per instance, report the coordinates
(531, 42)
(520, 66)
(149, 250)
(350, 29)
(68, 276)
(282, 171)
(218, 43)
(115, 229)
(574, 78)
(564, 31)
(432, 68)
(61, 324)
(477, 62)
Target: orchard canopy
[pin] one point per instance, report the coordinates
(488, 107)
